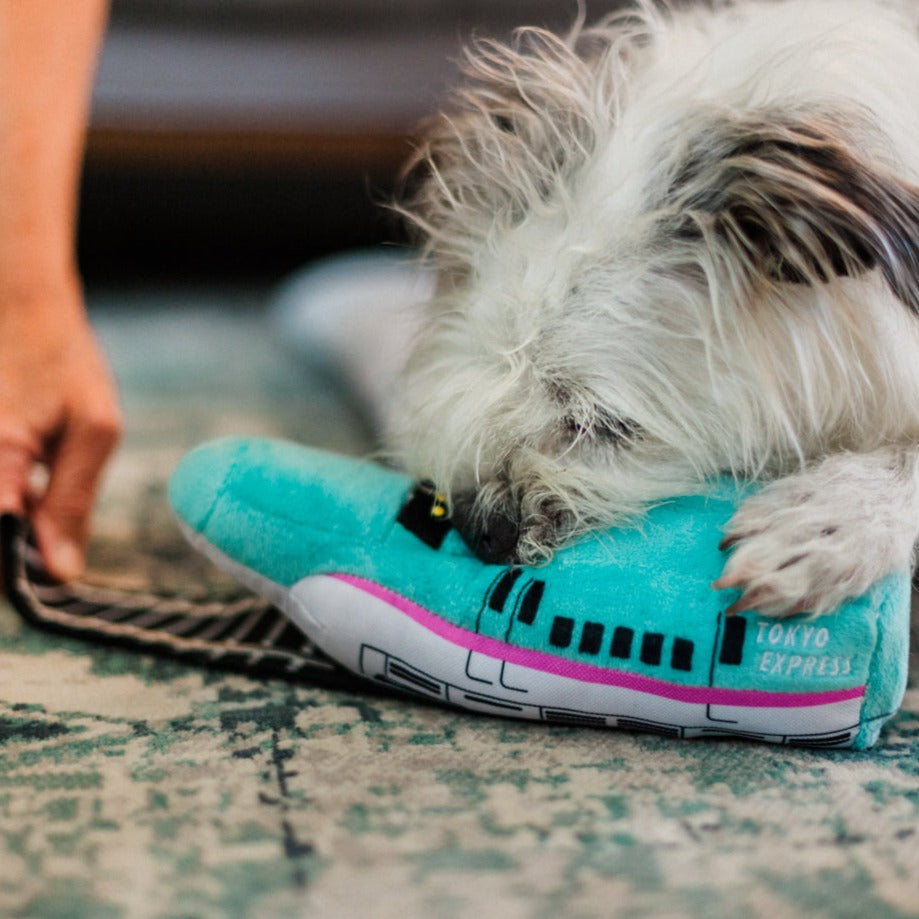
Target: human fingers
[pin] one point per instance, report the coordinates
(61, 517)
(16, 462)
(15, 471)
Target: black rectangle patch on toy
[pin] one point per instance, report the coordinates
(530, 602)
(424, 516)
(735, 630)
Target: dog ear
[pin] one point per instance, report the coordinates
(523, 123)
(484, 162)
(792, 201)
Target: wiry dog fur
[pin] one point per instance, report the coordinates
(678, 243)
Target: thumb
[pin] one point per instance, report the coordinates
(61, 518)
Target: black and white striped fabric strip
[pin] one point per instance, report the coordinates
(246, 635)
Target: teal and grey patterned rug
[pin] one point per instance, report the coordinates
(135, 786)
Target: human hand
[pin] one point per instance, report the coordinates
(58, 416)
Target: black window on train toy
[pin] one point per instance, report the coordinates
(591, 638)
(503, 589)
(621, 646)
(735, 630)
(652, 644)
(561, 632)
(681, 654)
(529, 604)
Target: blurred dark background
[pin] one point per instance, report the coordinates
(235, 139)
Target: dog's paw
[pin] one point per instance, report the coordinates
(800, 549)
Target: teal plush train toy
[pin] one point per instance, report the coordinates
(621, 630)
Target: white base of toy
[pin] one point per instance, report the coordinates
(371, 634)
(385, 638)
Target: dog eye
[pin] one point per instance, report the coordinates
(603, 428)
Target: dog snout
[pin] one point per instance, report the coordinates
(492, 535)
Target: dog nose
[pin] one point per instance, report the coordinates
(493, 538)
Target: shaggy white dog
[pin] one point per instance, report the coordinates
(679, 243)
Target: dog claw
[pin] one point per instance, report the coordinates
(733, 609)
(747, 602)
(731, 540)
(726, 581)
(793, 560)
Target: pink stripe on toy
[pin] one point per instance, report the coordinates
(590, 673)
